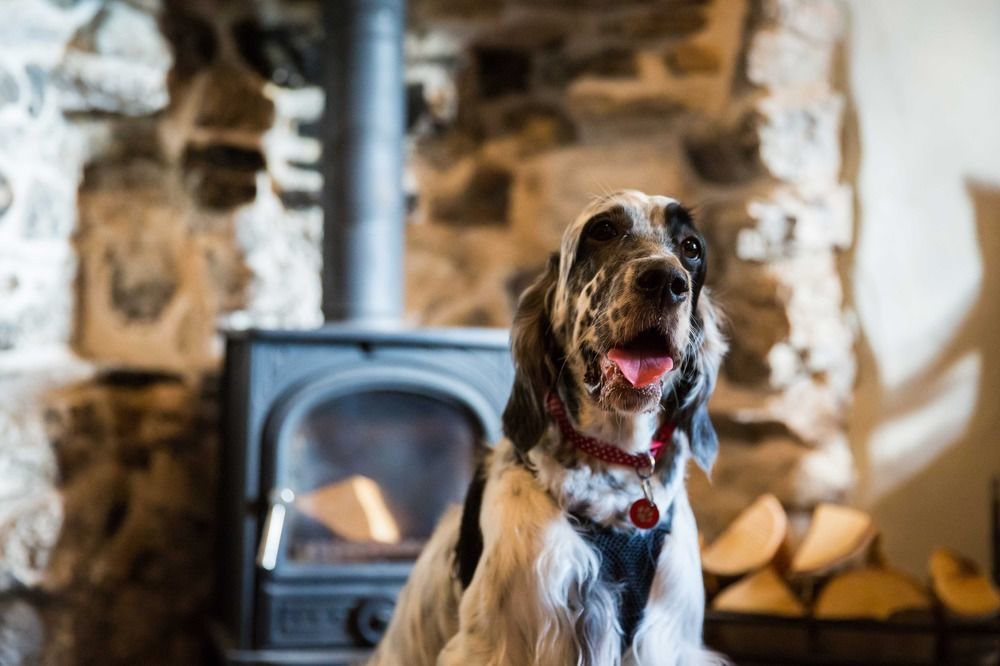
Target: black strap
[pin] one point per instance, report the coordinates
(628, 560)
(469, 548)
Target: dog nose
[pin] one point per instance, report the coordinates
(663, 281)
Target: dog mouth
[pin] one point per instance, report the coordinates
(642, 360)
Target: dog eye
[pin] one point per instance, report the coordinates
(691, 249)
(602, 230)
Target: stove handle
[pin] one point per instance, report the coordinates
(274, 525)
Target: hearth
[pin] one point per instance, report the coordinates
(343, 445)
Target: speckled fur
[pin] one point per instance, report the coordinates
(536, 597)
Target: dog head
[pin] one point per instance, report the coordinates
(620, 321)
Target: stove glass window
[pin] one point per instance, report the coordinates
(372, 472)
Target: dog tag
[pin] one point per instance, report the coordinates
(644, 514)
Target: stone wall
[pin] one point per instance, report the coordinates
(154, 185)
(529, 109)
(157, 180)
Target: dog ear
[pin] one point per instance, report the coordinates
(702, 439)
(535, 352)
(686, 403)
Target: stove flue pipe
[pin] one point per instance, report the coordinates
(363, 135)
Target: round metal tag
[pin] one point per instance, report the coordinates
(644, 514)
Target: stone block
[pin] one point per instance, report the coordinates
(810, 410)
(22, 633)
(539, 126)
(781, 223)
(725, 153)
(687, 59)
(29, 529)
(233, 100)
(222, 177)
(289, 55)
(195, 44)
(281, 251)
(144, 282)
(483, 200)
(785, 58)
(502, 71)
(786, 320)
(117, 63)
(36, 300)
(817, 20)
(758, 321)
(42, 27)
(616, 62)
(800, 136)
(144, 278)
(658, 22)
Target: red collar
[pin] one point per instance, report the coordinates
(605, 451)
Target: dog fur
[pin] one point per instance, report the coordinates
(627, 264)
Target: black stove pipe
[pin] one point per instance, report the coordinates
(363, 135)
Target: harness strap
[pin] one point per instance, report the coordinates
(469, 548)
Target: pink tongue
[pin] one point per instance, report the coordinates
(640, 369)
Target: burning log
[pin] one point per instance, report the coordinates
(961, 586)
(354, 509)
(750, 541)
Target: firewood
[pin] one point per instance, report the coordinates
(837, 536)
(750, 541)
(961, 586)
(763, 592)
(869, 593)
(354, 509)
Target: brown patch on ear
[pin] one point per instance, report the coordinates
(536, 353)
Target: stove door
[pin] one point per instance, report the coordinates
(364, 467)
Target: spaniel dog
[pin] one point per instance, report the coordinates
(577, 544)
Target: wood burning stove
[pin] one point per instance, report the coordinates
(327, 429)
(343, 445)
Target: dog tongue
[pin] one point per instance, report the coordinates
(640, 369)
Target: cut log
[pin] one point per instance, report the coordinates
(763, 593)
(837, 536)
(354, 509)
(869, 593)
(750, 541)
(961, 586)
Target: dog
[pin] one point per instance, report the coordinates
(575, 544)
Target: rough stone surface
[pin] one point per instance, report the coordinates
(233, 100)
(116, 63)
(779, 58)
(22, 633)
(800, 137)
(725, 153)
(693, 59)
(158, 178)
(783, 223)
(137, 460)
